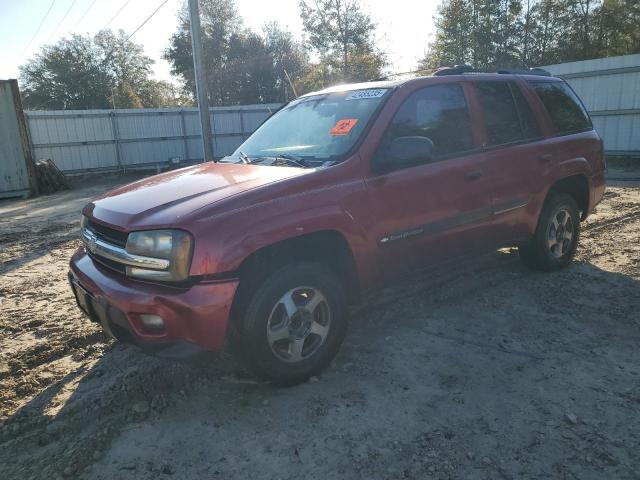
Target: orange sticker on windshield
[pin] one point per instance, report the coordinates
(343, 127)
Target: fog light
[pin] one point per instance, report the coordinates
(152, 322)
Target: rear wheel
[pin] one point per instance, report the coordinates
(294, 323)
(556, 238)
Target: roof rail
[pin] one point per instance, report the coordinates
(455, 70)
(389, 76)
(530, 71)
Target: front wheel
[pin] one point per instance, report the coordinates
(556, 238)
(294, 323)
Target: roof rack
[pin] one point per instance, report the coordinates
(462, 69)
(530, 71)
(389, 76)
(455, 70)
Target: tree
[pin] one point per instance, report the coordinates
(550, 18)
(343, 37)
(70, 74)
(454, 36)
(509, 33)
(242, 66)
(82, 72)
(218, 19)
(620, 27)
(289, 58)
(508, 36)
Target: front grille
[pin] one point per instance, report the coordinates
(110, 264)
(109, 235)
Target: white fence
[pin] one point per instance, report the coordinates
(85, 140)
(610, 89)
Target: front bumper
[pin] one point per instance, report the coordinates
(194, 318)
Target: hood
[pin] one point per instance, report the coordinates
(164, 199)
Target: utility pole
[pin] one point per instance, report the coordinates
(201, 80)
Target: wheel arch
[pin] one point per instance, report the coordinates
(328, 247)
(578, 187)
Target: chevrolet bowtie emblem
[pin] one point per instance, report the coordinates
(90, 240)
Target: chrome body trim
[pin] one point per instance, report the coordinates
(472, 216)
(117, 254)
(505, 210)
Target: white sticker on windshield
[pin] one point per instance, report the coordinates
(365, 94)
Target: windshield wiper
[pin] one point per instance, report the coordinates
(287, 157)
(293, 159)
(244, 158)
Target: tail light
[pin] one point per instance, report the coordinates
(603, 156)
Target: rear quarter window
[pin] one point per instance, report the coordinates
(565, 109)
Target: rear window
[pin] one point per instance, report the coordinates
(565, 109)
(507, 114)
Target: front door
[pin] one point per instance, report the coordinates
(430, 212)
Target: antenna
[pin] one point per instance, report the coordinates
(290, 82)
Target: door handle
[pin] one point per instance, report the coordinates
(545, 157)
(471, 176)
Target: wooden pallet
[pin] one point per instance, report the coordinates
(50, 178)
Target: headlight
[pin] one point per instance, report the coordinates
(173, 245)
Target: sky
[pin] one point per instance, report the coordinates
(404, 26)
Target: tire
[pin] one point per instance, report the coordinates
(551, 249)
(293, 323)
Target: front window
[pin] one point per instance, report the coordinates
(313, 130)
(438, 113)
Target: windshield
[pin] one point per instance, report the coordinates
(319, 127)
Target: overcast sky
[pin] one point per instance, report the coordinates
(404, 26)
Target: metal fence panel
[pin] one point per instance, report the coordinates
(13, 178)
(610, 89)
(150, 151)
(85, 140)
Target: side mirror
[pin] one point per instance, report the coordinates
(414, 150)
(403, 152)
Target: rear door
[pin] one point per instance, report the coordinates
(432, 212)
(572, 142)
(572, 135)
(516, 155)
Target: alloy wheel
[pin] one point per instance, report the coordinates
(298, 324)
(560, 233)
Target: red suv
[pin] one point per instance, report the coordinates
(337, 192)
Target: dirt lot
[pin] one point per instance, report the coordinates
(488, 372)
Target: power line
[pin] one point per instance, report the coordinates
(85, 14)
(117, 13)
(108, 56)
(111, 52)
(39, 27)
(64, 17)
(147, 19)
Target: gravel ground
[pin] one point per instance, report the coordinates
(487, 372)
